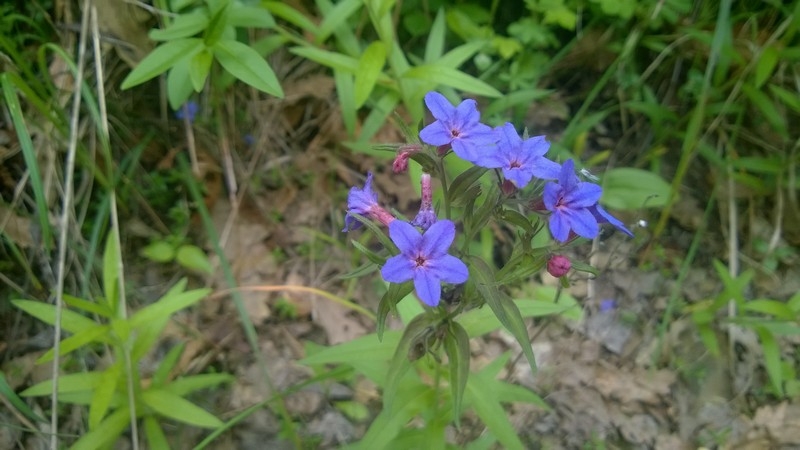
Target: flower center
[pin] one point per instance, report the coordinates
(419, 261)
(455, 133)
(515, 164)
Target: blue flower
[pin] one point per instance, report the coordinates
(364, 202)
(458, 127)
(189, 109)
(520, 160)
(424, 259)
(569, 201)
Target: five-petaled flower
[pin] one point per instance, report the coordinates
(569, 201)
(364, 202)
(457, 126)
(521, 160)
(424, 259)
(602, 216)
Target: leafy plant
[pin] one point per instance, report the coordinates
(198, 37)
(117, 390)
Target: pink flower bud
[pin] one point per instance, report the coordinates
(508, 187)
(381, 215)
(426, 216)
(400, 163)
(558, 265)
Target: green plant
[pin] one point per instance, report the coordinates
(422, 392)
(202, 34)
(769, 319)
(117, 391)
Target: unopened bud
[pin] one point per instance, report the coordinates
(558, 265)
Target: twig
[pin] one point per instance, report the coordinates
(122, 307)
(66, 205)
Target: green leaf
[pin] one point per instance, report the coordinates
(100, 309)
(179, 84)
(336, 17)
(161, 374)
(106, 432)
(336, 61)
(772, 358)
(365, 348)
(434, 47)
(345, 87)
(766, 65)
(503, 307)
(248, 66)
(70, 320)
(774, 308)
(103, 395)
(480, 394)
(456, 345)
(199, 66)
(627, 188)
(480, 321)
(74, 382)
(410, 402)
(374, 258)
(218, 25)
(166, 306)
(787, 97)
(186, 385)
(159, 251)
(111, 264)
(162, 58)
(370, 66)
(95, 333)
(155, 435)
(192, 257)
(246, 16)
(464, 182)
(177, 408)
(764, 105)
(414, 331)
(147, 336)
(454, 78)
(18, 403)
(388, 303)
(184, 26)
(291, 15)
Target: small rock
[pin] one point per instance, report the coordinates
(332, 428)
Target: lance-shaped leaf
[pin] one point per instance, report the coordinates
(400, 364)
(247, 65)
(388, 303)
(166, 306)
(370, 66)
(456, 345)
(70, 320)
(503, 307)
(161, 59)
(177, 408)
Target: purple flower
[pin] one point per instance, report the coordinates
(607, 304)
(364, 202)
(189, 109)
(602, 216)
(426, 215)
(520, 160)
(424, 259)
(458, 127)
(569, 201)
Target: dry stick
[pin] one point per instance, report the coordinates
(733, 257)
(64, 222)
(122, 307)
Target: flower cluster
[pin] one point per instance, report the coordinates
(423, 243)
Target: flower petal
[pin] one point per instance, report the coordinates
(439, 106)
(582, 222)
(583, 195)
(436, 134)
(398, 269)
(428, 288)
(545, 169)
(536, 145)
(449, 269)
(602, 216)
(567, 178)
(550, 195)
(405, 236)
(559, 226)
(466, 114)
(519, 176)
(436, 241)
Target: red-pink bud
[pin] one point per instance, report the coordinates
(558, 265)
(508, 187)
(381, 215)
